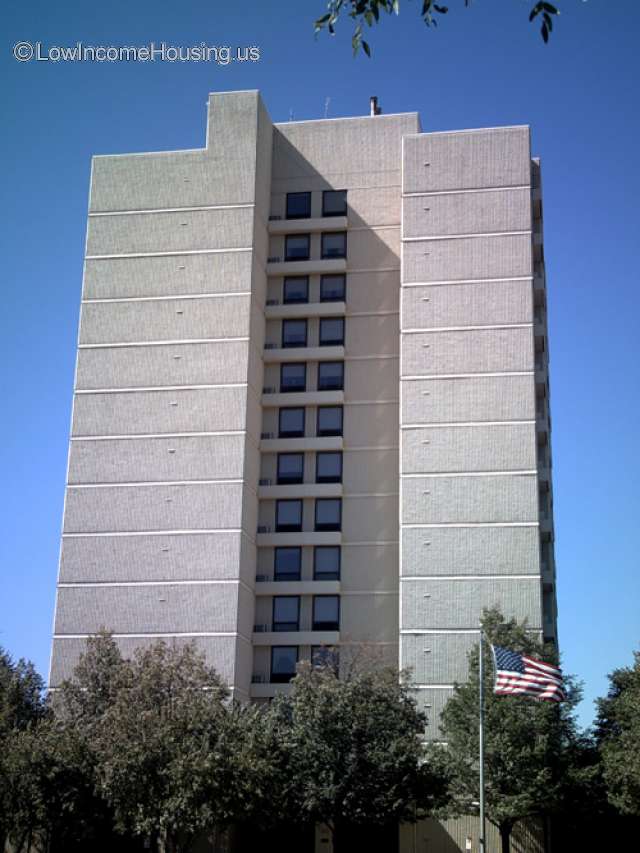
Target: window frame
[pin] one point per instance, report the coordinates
(287, 215)
(283, 480)
(289, 528)
(294, 345)
(332, 478)
(330, 527)
(344, 287)
(290, 259)
(332, 256)
(327, 576)
(325, 387)
(325, 194)
(289, 278)
(296, 390)
(325, 626)
(276, 626)
(336, 342)
(296, 433)
(289, 576)
(325, 433)
(286, 677)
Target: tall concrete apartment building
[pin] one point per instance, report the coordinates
(311, 400)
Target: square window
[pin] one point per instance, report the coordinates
(334, 244)
(326, 613)
(332, 288)
(325, 657)
(296, 247)
(293, 377)
(286, 613)
(283, 663)
(295, 289)
(334, 203)
(330, 376)
(328, 467)
(331, 331)
(291, 423)
(326, 563)
(329, 420)
(294, 333)
(298, 205)
(288, 516)
(287, 563)
(290, 468)
(328, 513)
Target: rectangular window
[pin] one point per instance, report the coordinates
(298, 205)
(334, 203)
(330, 376)
(288, 516)
(331, 331)
(329, 420)
(325, 657)
(290, 468)
(283, 663)
(295, 289)
(286, 612)
(328, 513)
(296, 247)
(328, 467)
(332, 288)
(293, 377)
(326, 563)
(334, 244)
(291, 423)
(326, 613)
(287, 563)
(294, 333)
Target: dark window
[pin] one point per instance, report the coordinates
(330, 376)
(328, 513)
(283, 663)
(287, 563)
(334, 203)
(329, 421)
(290, 467)
(298, 205)
(291, 423)
(326, 563)
(294, 333)
(296, 247)
(332, 288)
(328, 467)
(293, 377)
(331, 331)
(295, 289)
(326, 613)
(288, 516)
(334, 244)
(286, 613)
(325, 657)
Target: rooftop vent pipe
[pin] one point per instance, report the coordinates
(375, 110)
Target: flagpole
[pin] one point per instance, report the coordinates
(481, 739)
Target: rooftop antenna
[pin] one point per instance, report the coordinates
(326, 106)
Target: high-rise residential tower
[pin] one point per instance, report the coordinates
(311, 401)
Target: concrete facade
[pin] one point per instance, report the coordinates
(211, 429)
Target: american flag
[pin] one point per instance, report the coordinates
(517, 673)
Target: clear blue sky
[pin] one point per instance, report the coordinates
(483, 66)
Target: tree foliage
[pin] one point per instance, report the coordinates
(366, 13)
(618, 735)
(526, 740)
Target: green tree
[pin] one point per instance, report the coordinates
(618, 735)
(366, 13)
(526, 741)
(164, 740)
(352, 748)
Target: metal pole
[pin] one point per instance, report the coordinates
(481, 739)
